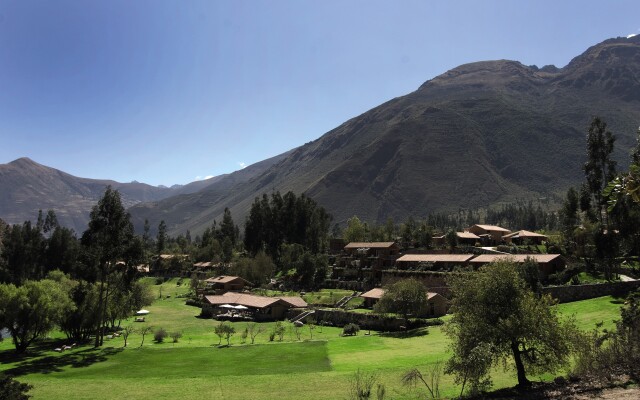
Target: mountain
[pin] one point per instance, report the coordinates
(195, 210)
(479, 134)
(26, 187)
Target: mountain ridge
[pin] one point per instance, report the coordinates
(478, 134)
(27, 186)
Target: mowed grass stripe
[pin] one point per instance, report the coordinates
(268, 359)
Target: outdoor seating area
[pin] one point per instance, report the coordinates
(230, 312)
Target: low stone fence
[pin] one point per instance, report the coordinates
(358, 286)
(567, 294)
(376, 322)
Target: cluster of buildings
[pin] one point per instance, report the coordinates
(368, 260)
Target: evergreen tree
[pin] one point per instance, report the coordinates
(161, 237)
(109, 239)
(600, 168)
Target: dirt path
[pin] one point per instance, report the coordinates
(576, 391)
(609, 394)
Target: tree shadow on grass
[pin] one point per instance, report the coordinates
(619, 298)
(57, 362)
(406, 334)
(37, 349)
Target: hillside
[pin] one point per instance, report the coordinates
(479, 134)
(26, 187)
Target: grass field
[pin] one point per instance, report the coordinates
(196, 368)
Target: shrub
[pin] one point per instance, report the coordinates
(12, 389)
(176, 336)
(278, 330)
(159, 335)
(194, 303)
(350, 329)
(245, 334)
(206, 313)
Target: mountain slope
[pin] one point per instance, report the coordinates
(478, 134)
(26, 187)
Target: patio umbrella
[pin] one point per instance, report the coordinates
(241, 307)
(227, 306)
(142, 312)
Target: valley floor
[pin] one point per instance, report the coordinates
(195, 367)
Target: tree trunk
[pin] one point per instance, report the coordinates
(517, 357)
(104, 312)
(100, 307)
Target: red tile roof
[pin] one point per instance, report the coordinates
(519, 258)
(524, 234)
(490, 228)
(374, 293)
(377, 293)
(294, 301)
(371, 245)
(435, 258)
(253, 301)
(225, 279)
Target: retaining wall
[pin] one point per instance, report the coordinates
(567, 294)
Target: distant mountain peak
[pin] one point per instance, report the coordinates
(23, 161)
(610, 51)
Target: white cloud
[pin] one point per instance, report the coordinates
(208, 177)
(242, 165)
(200, 178)
(197, 178)
(631, 35)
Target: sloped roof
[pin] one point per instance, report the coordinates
(226, 279)
(294, 301)
(247, 300)
(170, 256)
(253, 301)
(371, 245)
(377, 293)
(467, 235)
(491, 228)
(374, 293)
(204, 264)
(524, 234)
(519, 258)
(435, 258)
(431, 295)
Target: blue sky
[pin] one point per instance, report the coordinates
(163, 92)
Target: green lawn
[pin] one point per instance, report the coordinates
(196, 368)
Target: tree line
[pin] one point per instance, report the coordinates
(50, 278)
(598, 220)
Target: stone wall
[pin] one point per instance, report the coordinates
(376, 322)
(566, 294)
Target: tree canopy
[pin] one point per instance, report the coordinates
(406, 297)
(31, 310)
(497, 317)
(287, 219)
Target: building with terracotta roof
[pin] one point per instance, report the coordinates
(260, 308)
(438, 261)
(365, 260)
(547, 263)
(464, 238)
(524, 237)
(437, 304)
(226, 283)
(490, 233)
